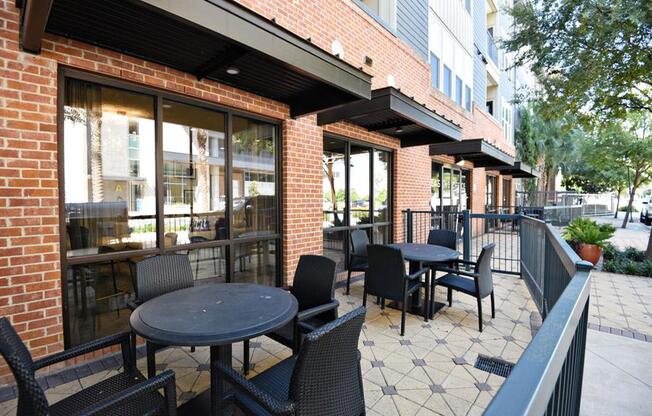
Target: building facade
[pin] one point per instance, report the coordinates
(120, 146)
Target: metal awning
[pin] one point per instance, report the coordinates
(478, 151)
(205, 38)
(393, 113)
(519, 170)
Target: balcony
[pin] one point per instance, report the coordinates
(492, 49)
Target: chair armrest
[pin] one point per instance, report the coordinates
(317, 310)
(123, 338)
(418, 273)
(270, 403)
(165, 380)
(460, 272)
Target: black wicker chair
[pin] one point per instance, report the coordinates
(156, 276)
(358, 261)
(313, 286)
(444, 238)
(323, 379)
(478, 283)
(386, 278)
(125, 394)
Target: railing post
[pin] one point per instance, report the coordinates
(466, 216)
(408, 225)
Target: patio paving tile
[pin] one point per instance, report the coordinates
(429, 371)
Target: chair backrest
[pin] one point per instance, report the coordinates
(327, 380)
(31, 398)
(359, 242)
(79, 236)
(444, 238)
(314, 281)
(483, 269)
(159, 275)
(385, 276)
(198, 239)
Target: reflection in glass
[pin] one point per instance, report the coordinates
(334, 248)
(465, 193)
(255, 262)
(446, 189)
(359, 185)
(109, 169)
(381, 234)
(254, 178)
(334, 182)
(208, 264)
(435, 200)
(381, 185)
(97, 296)
(193, 174)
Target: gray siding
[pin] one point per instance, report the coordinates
(412, 24)
(480, 42)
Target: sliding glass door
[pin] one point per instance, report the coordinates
(356, 187)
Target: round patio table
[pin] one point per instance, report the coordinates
(420, 254)
(213, 315)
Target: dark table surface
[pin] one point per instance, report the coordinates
(426, 253)
(213, 314)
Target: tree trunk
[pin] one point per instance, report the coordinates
(617, 204)
(635, 183)
(648, 252)
(203, 174)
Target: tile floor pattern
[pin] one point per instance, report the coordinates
(621, 301)
(429, 371)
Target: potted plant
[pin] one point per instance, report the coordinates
(588, 238)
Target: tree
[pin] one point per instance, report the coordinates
(527, 148)
(593, 58)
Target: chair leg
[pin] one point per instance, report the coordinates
(426, 300)
(382, 303)
(432, 295)
(450, 297)
(403, 308)
(493, 305)
(348, 282)
(480, 313)
(364, 298)
(151, 359)
(197, 262)
(245, 360)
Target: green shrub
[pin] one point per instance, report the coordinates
(587, 231)
(628, 261)
(609, 251)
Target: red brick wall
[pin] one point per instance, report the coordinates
(30, 275)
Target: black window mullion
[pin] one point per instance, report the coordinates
(228, 206)
(158, 149)
(372, 214)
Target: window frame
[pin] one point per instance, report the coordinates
(459, 91)
(347, 228)
(158, 95)
(449, 94)
(437, 83)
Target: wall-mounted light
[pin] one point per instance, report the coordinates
(232, 70)
(399, 129)
(460, 162)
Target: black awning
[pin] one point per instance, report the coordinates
(206, 38)
(519, 170)
(393, 113)
(478, 151)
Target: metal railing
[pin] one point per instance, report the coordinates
(548, 377)
(563, 214)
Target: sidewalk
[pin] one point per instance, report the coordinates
(635, 235)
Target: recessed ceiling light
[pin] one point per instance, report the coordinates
(167, 105)
(232, 70)
(399, 129)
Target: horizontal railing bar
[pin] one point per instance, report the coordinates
(531, 383)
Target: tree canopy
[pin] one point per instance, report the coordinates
(593, 58)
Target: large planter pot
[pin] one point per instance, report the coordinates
(590, 253)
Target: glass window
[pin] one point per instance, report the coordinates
(434, 70)
(381, 185)
(467, 98)
(109, 169)
(384, 9)
(435, 200)
(448, 88)
(193, 173)
(254, 178)
(507, 192)
(334, 182)
(458, 90)
(255, 262)
(111, 189)
(491, 192)
(446, 189)
(359, 185)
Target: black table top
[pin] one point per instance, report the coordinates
(214, 314)
(426, 253)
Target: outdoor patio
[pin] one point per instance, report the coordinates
(429, 371)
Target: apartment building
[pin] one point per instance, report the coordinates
(242, 133)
